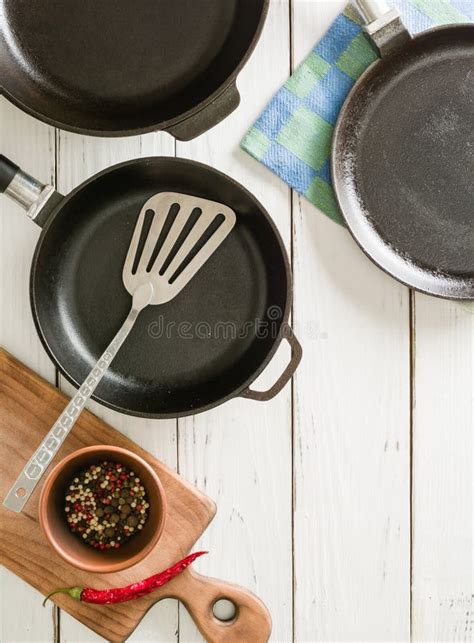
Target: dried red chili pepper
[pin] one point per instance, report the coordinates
(130, 592)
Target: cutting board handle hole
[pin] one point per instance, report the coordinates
(20, 493)
(224, 610)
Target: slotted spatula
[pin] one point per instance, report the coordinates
(173, 238)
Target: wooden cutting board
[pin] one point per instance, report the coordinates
(28, 408)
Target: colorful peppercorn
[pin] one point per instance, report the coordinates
(105, 505)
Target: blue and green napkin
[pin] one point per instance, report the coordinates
(293, 135)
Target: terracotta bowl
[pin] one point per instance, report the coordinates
(54, 524)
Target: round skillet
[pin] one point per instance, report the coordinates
(118, 67)
(205, 346)
(403, 156)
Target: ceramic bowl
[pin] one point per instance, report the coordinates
(68, 545)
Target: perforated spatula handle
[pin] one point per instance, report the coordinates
(36, 466)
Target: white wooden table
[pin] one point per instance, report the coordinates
(346, 502)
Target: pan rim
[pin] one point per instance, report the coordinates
(449, 283)
(285, 264)
(160, 125)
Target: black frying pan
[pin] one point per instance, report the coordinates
(403, 156)
(200, 349)
(119, 67)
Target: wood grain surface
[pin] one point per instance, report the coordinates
(346, 502)
(28, 407)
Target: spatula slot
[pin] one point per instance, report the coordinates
(147, 222)
(209, 232)
(169, 220)
(183, 235)
(174, 237)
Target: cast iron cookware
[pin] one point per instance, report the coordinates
(202, 348)
(403, 155)
(118, 67)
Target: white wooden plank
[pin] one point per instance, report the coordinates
(78, 158)
(443, 459)
(352, 419)
(31, 145)
(240, 453)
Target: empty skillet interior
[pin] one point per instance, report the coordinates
(113, 65)
(404, 161)
(189, 354)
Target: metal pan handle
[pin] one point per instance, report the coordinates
(214, 113)
(35, 197)
(372, 10)
(383, 25)
(296, 355)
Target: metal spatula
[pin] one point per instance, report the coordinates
(173, 238)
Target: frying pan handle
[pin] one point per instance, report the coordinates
(214, 113)
(37, 199)
(383, 25)
(372, 10)
(252, 621)
(296, 355)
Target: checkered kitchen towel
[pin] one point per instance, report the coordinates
(293, 135)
